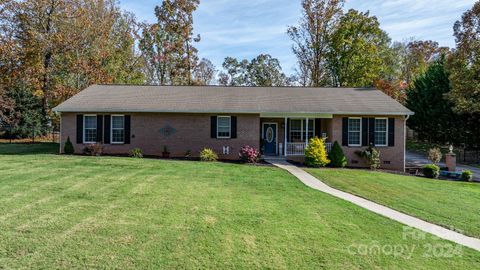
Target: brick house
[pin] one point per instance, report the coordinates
(277, 120)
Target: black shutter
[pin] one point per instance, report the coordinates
(391, 131)
(364, 131)
(79, 128)
(213, 127)
(345, 131)
(318, 127)
(99, 128)
(287, 126)
(127, 129)
(106, 131)
(371, 131)
(233, 123)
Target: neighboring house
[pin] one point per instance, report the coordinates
(278, 120)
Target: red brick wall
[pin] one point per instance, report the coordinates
(192, 134)
(393, 154)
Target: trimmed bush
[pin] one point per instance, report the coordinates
(136, 153)
(249, 154)
(337, 157)
(372, 156)
(208, 154)
(316, 154)
(467, 176)
(94, 149)
(68, 148)
(431, 171)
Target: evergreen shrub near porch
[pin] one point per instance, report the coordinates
(337, 157)
(316, 153)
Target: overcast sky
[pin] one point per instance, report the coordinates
(246, 28)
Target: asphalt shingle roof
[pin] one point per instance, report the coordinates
(218, 99)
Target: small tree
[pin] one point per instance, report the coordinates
(435, 155)
(316, 154)
(372, 156)
(337, 157)
(68, 148)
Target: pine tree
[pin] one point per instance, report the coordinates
(337, 157)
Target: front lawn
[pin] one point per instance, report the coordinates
(454, 205)
(87, 212)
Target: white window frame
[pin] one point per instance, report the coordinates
(111, 128)
(290, 128)
(85, 128)
(303, 129)
(386, 131)
(229, 124)
(348, 132)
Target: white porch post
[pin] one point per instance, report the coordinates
(285, 138)
(306, 133)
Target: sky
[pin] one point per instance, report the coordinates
(247, 28)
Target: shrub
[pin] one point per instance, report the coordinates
(68, 148)
(337, 157)
(431, 171)
(435, 155)
(249, 154)
(316, 154)
(467, 175)
(208, 154)
(94, 149)
(372, 156)
(136, 153)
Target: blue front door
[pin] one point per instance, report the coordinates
(270, 138)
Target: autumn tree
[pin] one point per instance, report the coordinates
(204, 73)
(355, 47)
(167, 45)
(311, 38)
(57, 48)
(464, 63)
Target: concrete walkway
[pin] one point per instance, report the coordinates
(416, 159)
(413, 222)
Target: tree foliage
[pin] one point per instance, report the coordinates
(311, 38)
(263, 70)
(464, 63)
(56, 48)
(434, 119)
(204, 73)
(167, 45)
(355, 50)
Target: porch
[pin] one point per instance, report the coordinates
(289, 136)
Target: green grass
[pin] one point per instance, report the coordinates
(88, 212)
(454, 205)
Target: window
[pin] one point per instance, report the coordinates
(118, 129)
(296, 133)
(223, 127)
(381, 127)
(354, 131)
(89, 129)
(298, 130)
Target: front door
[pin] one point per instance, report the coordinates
(270, 138)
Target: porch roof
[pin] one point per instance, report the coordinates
(217, 99)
